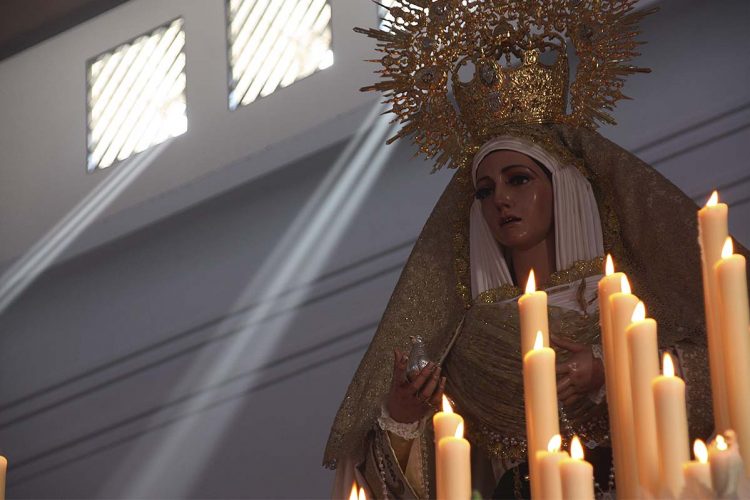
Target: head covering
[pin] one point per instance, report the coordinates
(649, 227)
(578, 228)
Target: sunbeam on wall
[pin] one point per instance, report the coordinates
(298, 257)
(48, 248)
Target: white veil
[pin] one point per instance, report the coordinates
(578, 228)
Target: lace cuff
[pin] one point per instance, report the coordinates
(405, 431)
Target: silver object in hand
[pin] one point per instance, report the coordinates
(417, 357)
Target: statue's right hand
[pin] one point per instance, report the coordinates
(409, 401)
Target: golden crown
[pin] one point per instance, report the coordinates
(457, 72)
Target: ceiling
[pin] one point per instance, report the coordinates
(24, 23)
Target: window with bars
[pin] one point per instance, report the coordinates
(136, 95)
(273, 43)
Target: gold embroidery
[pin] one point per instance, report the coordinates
(426, 50)
(580, 269)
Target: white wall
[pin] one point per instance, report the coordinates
(690, 117)
(161, 282)
(102, 358)
(43, 131)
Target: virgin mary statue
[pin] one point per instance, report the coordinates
(535, 187)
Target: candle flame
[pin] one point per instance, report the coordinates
(624, 284)
(554, 444)
(531, 283)
(353, 494)
(639, 314)
(362, 495)
(460, 430)
(576, 450)
(728, 249)
(609, 267)
(539, 341)
(668, 366)
(721, 443)
(447, 408)
(700, 451)
(713, 200)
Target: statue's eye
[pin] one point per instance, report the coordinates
(483, 193)
(518, 179)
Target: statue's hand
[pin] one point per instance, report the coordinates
(580, 375)
(409, 401)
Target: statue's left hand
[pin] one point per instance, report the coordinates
(581, 374)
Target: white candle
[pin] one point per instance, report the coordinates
(734, 319)
(698, 473)
(548, 467)
(532, 310)
(622, 305)
(576, 474)
(454, 467)
(713, 230)
(540, 396)
(644, 367)
(3, 471)
(444, 424)
(726, 467)
(609, 285)
(671, 426)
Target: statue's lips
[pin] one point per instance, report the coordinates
(509, 220)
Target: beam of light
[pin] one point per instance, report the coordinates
(282, 42)
(112, 89)
(44, 252)
(123, 83)
(102, 79)
(149, 110)
(262, 54)
(243, 67)
(284, 49)
(146, 93)
(140, 89)
(302, 39)
(238, 13)
(300, 255)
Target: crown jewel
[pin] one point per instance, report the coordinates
(455, 72)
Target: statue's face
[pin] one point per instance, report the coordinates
(516, 197)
